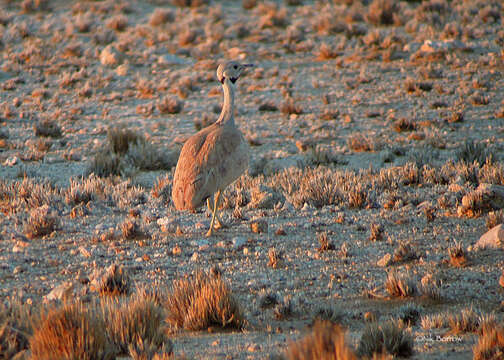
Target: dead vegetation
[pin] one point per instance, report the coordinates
(202, 301)
(71, 331)
(389, 337)
(326, 342)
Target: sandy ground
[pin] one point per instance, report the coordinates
(90, 66)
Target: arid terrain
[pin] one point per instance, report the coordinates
(376, 131)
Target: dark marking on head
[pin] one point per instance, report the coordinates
(233, 80)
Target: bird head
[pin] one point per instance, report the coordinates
(231, 70)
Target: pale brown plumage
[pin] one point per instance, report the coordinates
(214, 157)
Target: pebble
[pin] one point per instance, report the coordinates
(385, 260)
(111, 56)
(195, 256)
(239, 241)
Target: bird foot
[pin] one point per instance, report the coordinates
(209, 232)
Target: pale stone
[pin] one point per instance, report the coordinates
(492, 239)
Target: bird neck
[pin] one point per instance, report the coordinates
(226, 115)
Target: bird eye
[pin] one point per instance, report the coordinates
(235, 67)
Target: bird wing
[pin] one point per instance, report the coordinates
(206, 164)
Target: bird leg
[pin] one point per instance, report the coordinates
(218, 222)
(214, 213)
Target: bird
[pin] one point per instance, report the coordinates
(215, 156)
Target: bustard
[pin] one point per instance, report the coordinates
(214, 157)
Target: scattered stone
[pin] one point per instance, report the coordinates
(385, 261)
(492, 239)
(169, 59)
(259, 226)
(110, 56)
(11, 161)
(239, 241)
(430, 46)
(168, 224)
(61, 292)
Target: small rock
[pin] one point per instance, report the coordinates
(195, 256)
(169, 59)
(239, 241)
(492, 239)
(11, 161)
(122, 70)
(259, 226)
(110, 56)
(430, 46)
(18, 269)
(385, 260)
(168, 224)
(62, 292)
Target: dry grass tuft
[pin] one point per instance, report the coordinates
(141, 350)
(389, 337)
(161, 16)
(383, 12)
(15, 328)
(106, 164)
(284, 310)
(326, 342)
(360, 143)
(71, 331)
(190, 3)
(162, 188)
(117, 23)
(494, 218)
(274, 258)
(490, 344)
(170, 105)
(404, 252)
(375, 232)
(41, 222)
(331, 314)
(267, 300)
(467, 320)
(430, 287)
(201, 302)
(410, 313)
(134, 320)
(400, 285)
(115, 281)
(404, 124)
(324, 242)
(120, 139)
(472, 151)
(289, 106)
(47, 128)
(127, 152)
(458, 257)
(434, 321)
(131, 229)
